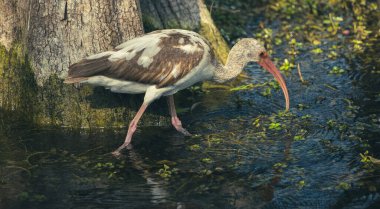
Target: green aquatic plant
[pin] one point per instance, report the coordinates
(300, 135)
(285, 114)
(317, 51)
(333, 23)
(336, 70)
(301, 184)
(275, 126)
(343, 186)
(306, 117)
(256, 123)
(302, 106)
(27, 197)
(286, 65)
(298, 138)
(333, 55)
(274, 84)
(331, 124)
(214, 140)
(365, 158)
(280, 166)
(206, 160)
(266, 92)
(166, 172)
(277, 41)
(195, 147)
(294, 45)
(243, 87)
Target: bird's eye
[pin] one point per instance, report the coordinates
(262, 54)
(249, 54)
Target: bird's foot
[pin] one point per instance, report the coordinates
(117, 152)
(178, 126)
(184, 131)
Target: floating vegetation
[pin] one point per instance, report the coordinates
(306, 117)
(206, 160)
(195, 147)
(337, 70)
(301, 184)
(302, 106)
(300, 135)
(266, 92)
(243, 87)
(275, 126)
(333, 55)
(286, 66)
(317, 51)
(166, 172)
(343, 186)
(279, 166)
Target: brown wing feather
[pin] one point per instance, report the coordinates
(86, 68)
(159, 72)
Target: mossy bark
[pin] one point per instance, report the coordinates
(58, 104)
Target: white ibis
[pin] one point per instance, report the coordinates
(163, 62)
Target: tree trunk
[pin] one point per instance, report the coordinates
(187, 14)
(158, 14)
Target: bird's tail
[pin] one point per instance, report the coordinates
(74, 80)
(87, 67)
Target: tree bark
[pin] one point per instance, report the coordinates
(187, 14)
(158, 14)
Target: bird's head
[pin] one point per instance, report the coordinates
(251, 50)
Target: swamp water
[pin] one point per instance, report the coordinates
(246, 152)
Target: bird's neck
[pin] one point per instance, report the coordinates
(234, 66)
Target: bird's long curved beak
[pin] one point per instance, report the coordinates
(267, 64)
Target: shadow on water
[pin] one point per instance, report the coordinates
(246, 153)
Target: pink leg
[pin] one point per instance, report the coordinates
(175, 120)
(131, 130)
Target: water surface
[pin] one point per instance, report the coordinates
(237, 158)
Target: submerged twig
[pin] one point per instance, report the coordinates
(90, 150)
(299, 73)
(17, 167)
(330, 87)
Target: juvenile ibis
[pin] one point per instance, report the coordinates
(163, 62)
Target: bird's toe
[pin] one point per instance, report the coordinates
(185, 132)
(116, 153)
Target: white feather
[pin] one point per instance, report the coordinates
(189, 48)
(174, 72)
(118, 86)
(145, 61)
(148, 44)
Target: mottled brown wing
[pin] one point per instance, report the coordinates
(178, 54)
